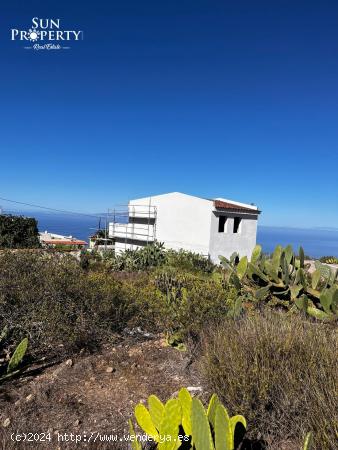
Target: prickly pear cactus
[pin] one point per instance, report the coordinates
(308, 442)
(283, 280)
(159, 421)
(18, 355)
(185, 418)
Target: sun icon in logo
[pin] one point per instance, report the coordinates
(33, 35)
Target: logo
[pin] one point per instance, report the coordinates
(46, 34)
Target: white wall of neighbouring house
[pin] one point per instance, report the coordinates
(182, 221)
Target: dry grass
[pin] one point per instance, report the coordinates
(281, 373)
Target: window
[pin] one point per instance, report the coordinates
(221, 224)
(237, 223)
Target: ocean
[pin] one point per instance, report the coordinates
(315, 241)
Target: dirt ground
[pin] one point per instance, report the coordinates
(90, 396)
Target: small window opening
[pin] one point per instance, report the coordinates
(221, 224)
(237, 222)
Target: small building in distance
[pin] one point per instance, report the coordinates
(100, 241)
(211, 227)
(58, 241)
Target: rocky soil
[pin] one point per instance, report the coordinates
(91, 396)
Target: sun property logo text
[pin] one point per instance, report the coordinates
(46, 34)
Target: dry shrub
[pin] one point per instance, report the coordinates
(62, 307)
(280, 372)
(57, 305)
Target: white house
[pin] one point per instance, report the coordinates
(211, 227)
(52, 240)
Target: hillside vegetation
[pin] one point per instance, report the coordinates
(260, 332)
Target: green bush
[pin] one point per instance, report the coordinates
(190, 301)
(174, 302)
(281, 372)
(18, 232)
(65, 248)
(189, 261)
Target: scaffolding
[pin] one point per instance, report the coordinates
(132, 226)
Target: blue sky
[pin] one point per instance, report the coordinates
(236, 99)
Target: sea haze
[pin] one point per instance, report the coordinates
(316, 242)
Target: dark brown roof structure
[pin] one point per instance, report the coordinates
(220, 204)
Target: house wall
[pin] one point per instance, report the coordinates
(228, 242)
(182, 221)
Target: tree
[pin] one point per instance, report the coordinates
(18, 232)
